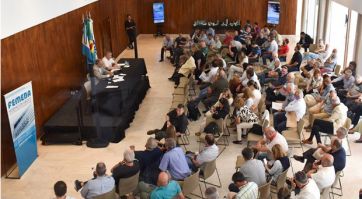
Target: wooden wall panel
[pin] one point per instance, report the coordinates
(180, 15)
(49, 55)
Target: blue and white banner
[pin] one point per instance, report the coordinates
(20, 108)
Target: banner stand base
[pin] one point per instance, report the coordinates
(13, 172)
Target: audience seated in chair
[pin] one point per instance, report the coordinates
(297, 106)
(322, 172)
(166, 46)
(128, 167)
(335, 149)
(330, 124)
(207, 154)
(149, 160)
(283, 50)
(252, 169)
(242, 188)
(174, 161)
(304, 187)
(296, 61)
(271, 138)
(330, 62)
(166, 188)
(98, 185)
(177, 118)
(278, 163)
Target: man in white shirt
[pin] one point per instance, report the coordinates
(248, 75)
(324, 174)
(167, 45)
(306, 187)
(273, 48)
(210, 75)
(271, 138)
(108, 61)
(100, 71)
(208, 154)
(297, 106)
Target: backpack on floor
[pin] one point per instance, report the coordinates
(212, 128)
(193, 111)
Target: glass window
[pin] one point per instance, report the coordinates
(312, 17)
(352, 36)
(338, 29)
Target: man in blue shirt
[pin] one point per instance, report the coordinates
(335, 149)
(100, 184)
(174, 161)
(166, 188)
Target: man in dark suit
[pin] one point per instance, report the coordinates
(130, 27)
(305, 41)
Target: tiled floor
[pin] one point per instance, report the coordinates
(67, 162)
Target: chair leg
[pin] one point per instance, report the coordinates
(349, 147)
(202, 195)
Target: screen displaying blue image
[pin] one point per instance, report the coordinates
(273, 12)
(158, 13)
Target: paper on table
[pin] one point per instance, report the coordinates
(277, 105)
(122, 74)
(110, 86)
(291, 119)
(118, 80)
(115, 69)
(126, 66)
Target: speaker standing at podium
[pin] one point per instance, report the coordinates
(130, 27)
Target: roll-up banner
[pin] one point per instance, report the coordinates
(20, 108)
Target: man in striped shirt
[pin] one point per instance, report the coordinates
(241, 188)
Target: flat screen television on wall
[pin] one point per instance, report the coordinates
(273, 12)
(158, 12)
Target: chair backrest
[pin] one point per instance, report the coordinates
(108, 195)
(300, 127)
(337, 69)
(128, 185)
(209, 169)
(261, 105)
(190, 183)
(264, 191)
(325, 192)
(312, 47)
(348, 123)
(281, 179)
(336, 179)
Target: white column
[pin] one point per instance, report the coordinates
(358, 53)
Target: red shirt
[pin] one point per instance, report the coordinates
(228, 39)
(284, 49)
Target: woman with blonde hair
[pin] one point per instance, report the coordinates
(245, 118)
(278, 164)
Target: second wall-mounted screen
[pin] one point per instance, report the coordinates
(158, 13)
(273, 12)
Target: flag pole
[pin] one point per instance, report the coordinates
(99, 141)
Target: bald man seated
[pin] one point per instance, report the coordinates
(271, 138)
(166, 188)
(322, 172)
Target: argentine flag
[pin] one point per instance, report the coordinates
(88, 42)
